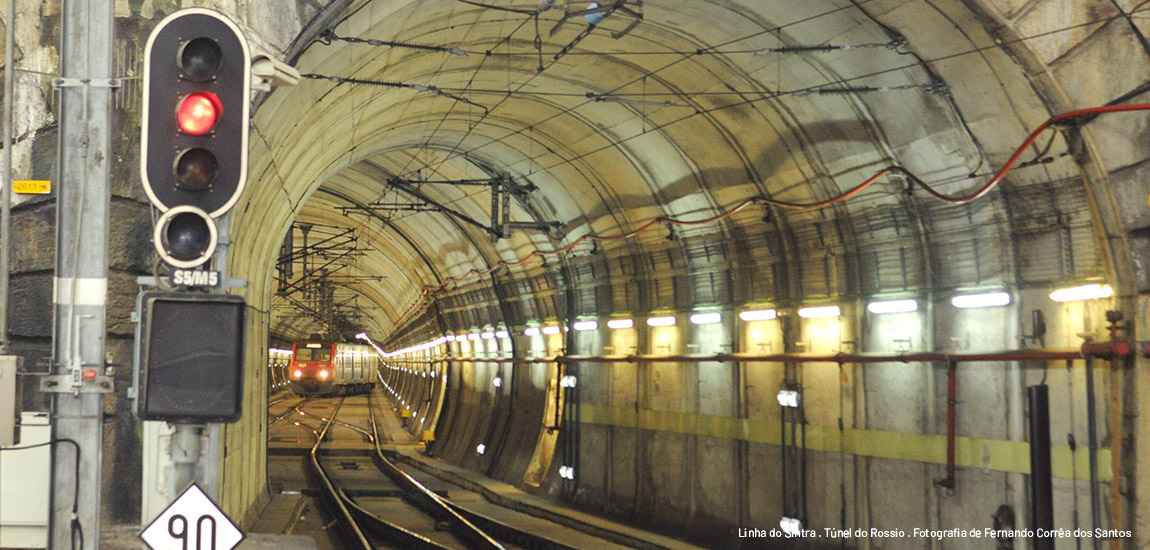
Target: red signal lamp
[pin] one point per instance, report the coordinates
(198, 113)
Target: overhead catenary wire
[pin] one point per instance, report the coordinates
(976, 194)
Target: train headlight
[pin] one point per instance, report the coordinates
(323, 374)
(297, 373)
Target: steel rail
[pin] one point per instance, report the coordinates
(431, 503)
(353, 514)
(335, 498)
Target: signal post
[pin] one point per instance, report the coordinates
(193, 165)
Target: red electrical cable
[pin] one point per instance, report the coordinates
(949, 199)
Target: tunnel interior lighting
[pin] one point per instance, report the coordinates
(1080, 293)
(583, 326)
(568, 381)
(788, 398)
(989, 299)
(567, 472)
(487, 335)
(708, 318)
(531, 331)
(791, 526)
(665, 321)
(313, 346)
(759, 315)
(502, 334)
(551, 329)
(620, 323)
(450, 337)
(820, 312)
(498, 382)
(892, 306)
(361, 336)
(473, 336)
(481, 448)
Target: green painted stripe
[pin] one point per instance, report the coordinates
(1003, 456)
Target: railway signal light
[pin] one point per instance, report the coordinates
(191, 357)
(194, 136)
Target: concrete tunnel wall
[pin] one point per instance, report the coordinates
(684, 459)
(674, 447)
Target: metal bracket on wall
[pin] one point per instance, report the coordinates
(61, 82)
(68, 383)
(503, 188)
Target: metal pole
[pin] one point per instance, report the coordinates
(1092, 447)
(80, 295)
(185, 450)
(6, 192)
(1041, 477)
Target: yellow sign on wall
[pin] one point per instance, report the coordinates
(32, 187)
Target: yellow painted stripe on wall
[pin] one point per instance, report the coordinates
(1003, 456)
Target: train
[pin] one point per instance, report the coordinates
(320, 368)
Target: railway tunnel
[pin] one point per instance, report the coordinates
(704, 267)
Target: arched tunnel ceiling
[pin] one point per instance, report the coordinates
(698, 107)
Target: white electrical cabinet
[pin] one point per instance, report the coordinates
(24, 486)
(9, 366)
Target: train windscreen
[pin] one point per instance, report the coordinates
(313, 354)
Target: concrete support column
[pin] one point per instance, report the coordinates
(81, 270)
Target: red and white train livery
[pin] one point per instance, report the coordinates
(326, 368)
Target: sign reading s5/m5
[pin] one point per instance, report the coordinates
(194, 140)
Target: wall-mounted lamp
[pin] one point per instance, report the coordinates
(892, 306)
(665, 321)
(759, 315)
(989, 299)
(820, 312)
(788, 398)
(708, 318)
(583, 326)
(1080, 293)
(791, 526)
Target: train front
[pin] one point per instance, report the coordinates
(312, 370)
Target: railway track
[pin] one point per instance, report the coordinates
(377, 504)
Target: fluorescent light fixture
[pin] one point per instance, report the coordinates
(567, 472)
(473, 336)
(583, 326)
(1084, 292)
(487, 335)
(502, 334)
(788, 398)
(667, 321)
(531, 331)
(620, 323)
(791, 526)
(481, 448)
(708, 318)
(568, 381)
(892, 306)
(314, 346)
(551, 329)
(990, 299)
(361, 336)
(450, 337)
(759, 315)
(820, 312)
(498, 382)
